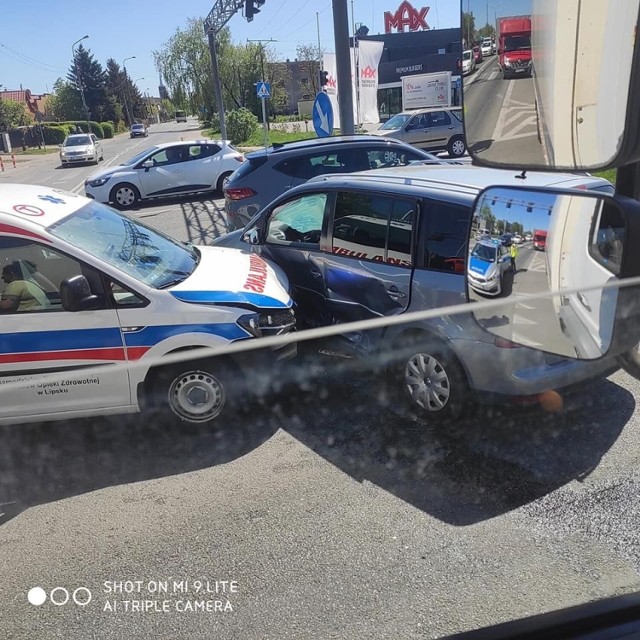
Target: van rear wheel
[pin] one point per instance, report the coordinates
(430, 378)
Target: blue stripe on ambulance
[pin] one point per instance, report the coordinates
(231, 297)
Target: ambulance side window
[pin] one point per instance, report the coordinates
(31, 275)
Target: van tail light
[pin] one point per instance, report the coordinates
(239, 193)
(503, 343)
(239, 158)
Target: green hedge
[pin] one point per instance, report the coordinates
(55, 134)
(108, 129)
(96, 127)
(241, 124)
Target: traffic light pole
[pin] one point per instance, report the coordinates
(217, 84)
(343, 66)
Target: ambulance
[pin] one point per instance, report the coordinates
(98, 312)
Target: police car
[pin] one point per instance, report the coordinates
(487, 263)
(94, 302)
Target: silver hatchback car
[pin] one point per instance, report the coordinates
(433, 129)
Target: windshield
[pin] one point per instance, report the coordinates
(128, 245)
(517, 43)
(485, 252)
(139, 157)
(396, 122)
(77, 141)
(467, 55)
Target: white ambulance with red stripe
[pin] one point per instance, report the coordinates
(94, 304)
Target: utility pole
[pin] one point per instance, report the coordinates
(343, 65)
(265, 116)
(79, 81)
(216, 81)
(124, 93)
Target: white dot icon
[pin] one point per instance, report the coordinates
(37, 596)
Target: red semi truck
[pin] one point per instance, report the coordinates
(514, 46)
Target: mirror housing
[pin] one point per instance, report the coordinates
(558, 292)
(251, 236)
(75, 294)
(574, 96)
(147, 164)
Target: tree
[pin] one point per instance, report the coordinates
(185, 63)
(488, 31)
(12, 114)
(468, 29)
(88, 72)
(65, 103)
(309, 56)
(489, 218)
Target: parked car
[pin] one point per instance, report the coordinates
(138, 130)
(488, 262)
(433, 129)
(81, 148)
(468, 62)
(388, 242)
(266, 174)
(101, 289)
(169, 169)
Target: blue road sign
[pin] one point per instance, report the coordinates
(322, 115)
(263, 89)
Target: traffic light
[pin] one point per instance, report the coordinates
(324, 78)
(251, 7)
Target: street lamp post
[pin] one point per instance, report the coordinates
(133, 110)
(79, 80)
(124, 92)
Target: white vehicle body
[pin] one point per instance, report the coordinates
(197, 166)
(153, 296)
(578, 123)
(468, 62)
(487, 47)
(570, 265)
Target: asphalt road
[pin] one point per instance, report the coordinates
(500, 117)
(530, 322)
(334, 513)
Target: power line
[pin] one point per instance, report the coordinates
(25, 59)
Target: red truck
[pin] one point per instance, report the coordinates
(514, 46)
(540, 240)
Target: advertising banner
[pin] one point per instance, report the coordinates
(428, 90)
(370, 52)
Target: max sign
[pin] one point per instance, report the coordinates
(406, 16)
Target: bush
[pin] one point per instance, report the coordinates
(55, 134)
(95, 126)
(241, 124)
(108, 129)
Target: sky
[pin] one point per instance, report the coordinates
(494, 9)
(37, 35)
(537, 219)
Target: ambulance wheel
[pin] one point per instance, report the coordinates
(199, 393)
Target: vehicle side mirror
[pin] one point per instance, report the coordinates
(75, 295)
(579, 91)
(565, 296)
(252, 236)
(147, 164)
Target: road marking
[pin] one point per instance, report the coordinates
(497, 132)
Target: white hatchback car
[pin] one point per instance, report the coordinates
(81, 147)
(170, 169)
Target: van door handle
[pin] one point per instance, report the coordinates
(316, 274)
(394, 292)
(584, 302)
